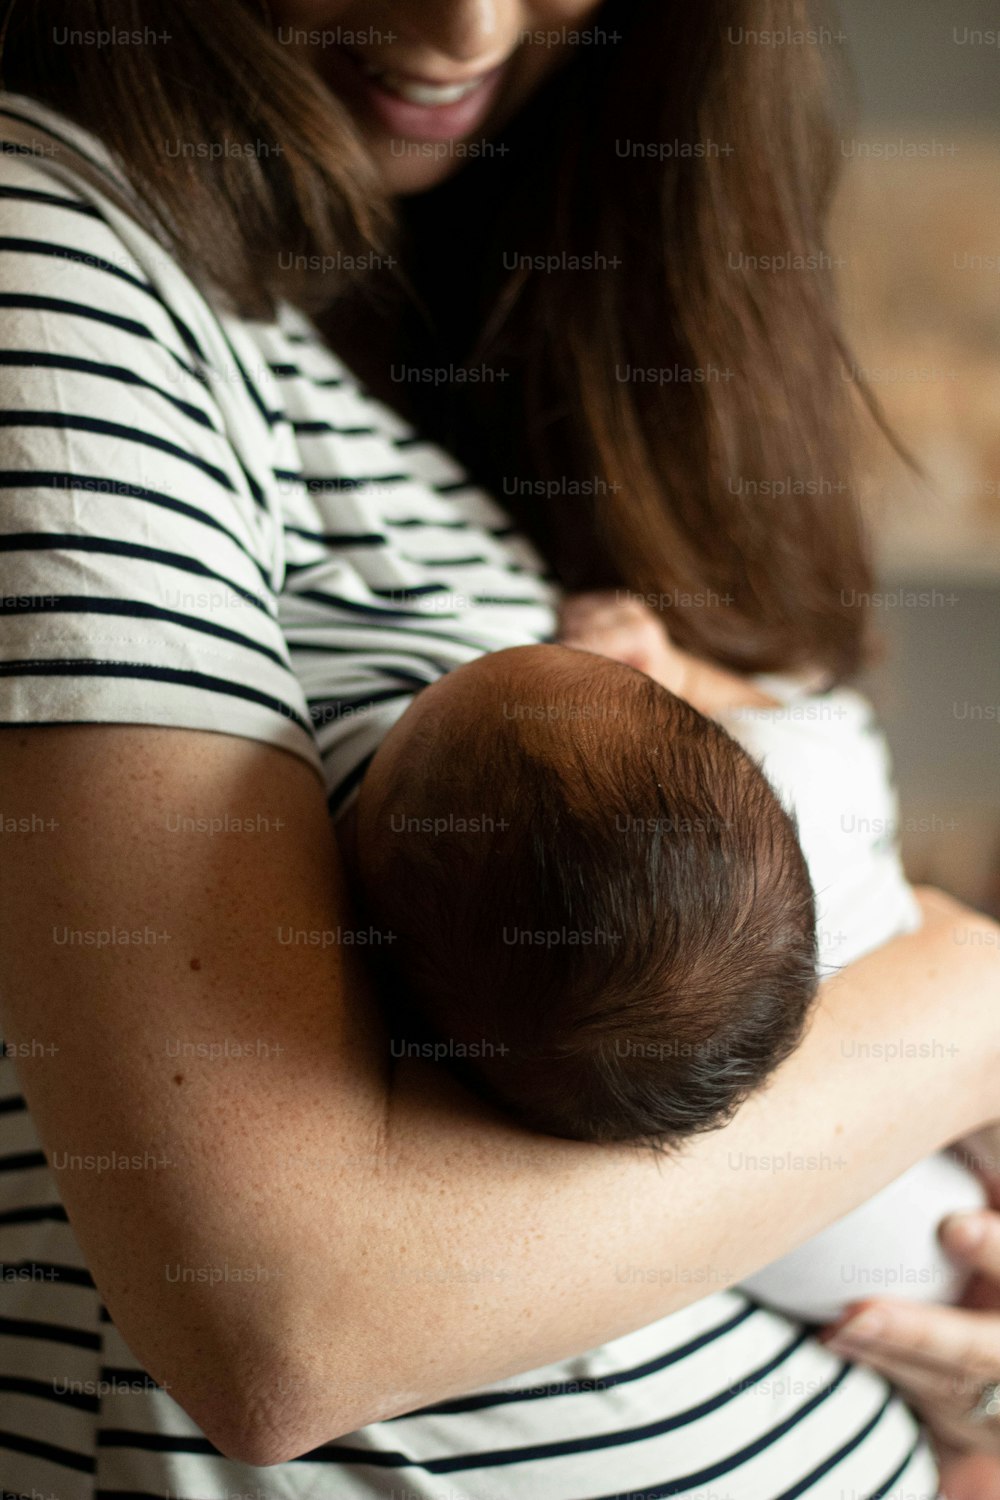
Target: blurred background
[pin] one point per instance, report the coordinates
(917, 235)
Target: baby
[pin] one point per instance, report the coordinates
(598, 903)
(602, 911)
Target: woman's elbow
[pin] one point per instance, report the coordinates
(273, 1407)
(247, 1436)
(263, 1419)
(261, 1395)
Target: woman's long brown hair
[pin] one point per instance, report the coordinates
(675, 420)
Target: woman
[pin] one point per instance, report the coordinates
(235, 567)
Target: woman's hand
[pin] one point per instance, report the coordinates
(943, 1358)
(619, 626)
(622, 627)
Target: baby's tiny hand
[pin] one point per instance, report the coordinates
(621, 627)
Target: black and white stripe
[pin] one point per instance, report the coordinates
(209, 523)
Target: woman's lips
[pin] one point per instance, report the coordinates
(419, 108)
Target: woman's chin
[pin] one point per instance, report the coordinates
(404, 175)
(412, 166)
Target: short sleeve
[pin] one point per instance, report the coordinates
(139, 556)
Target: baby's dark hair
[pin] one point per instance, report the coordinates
(600, 909)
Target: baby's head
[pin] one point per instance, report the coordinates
(601, 911)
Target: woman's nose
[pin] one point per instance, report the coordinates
(466, 30)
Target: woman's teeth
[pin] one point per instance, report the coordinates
(427, 94)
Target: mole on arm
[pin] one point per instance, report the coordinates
(196, 963)
(178, 1077)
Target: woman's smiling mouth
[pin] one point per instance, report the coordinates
(421, 108)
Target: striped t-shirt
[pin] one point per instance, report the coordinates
(208, 523)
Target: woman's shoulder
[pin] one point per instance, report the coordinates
(77, 244)
(56, 176)
(137, 448)
(78, 236)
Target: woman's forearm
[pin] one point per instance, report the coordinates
(491, 1251)
(406, 1243)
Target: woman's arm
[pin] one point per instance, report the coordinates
(404, 1242)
